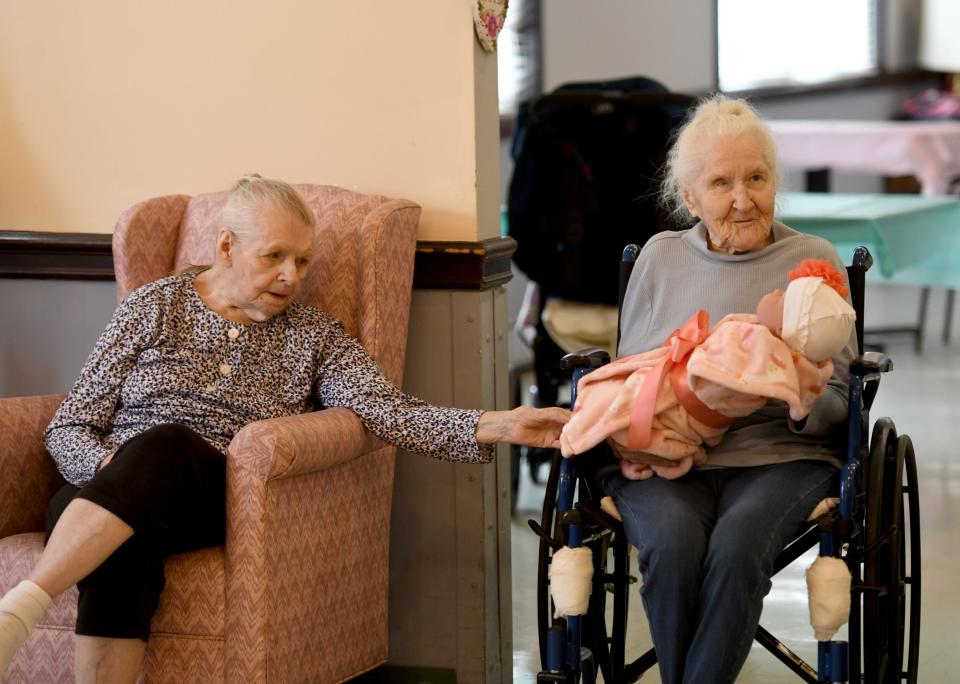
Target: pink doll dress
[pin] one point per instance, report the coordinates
(658, 409)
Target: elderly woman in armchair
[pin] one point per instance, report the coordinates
(184, 364)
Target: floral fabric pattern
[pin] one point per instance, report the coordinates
(488, 19)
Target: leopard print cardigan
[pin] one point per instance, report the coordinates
(165, 357)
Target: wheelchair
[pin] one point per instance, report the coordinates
(875, 530)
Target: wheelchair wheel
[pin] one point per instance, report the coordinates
(611, 581)
(885, 557)
(550, 526)
(593, 627)
(913, 560)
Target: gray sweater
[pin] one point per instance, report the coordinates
(676, 274)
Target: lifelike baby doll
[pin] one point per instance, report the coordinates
(658, 409)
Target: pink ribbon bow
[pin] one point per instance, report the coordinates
(683, 341)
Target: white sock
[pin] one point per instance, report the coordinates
(20, 610)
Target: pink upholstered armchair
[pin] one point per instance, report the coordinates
(299, 592)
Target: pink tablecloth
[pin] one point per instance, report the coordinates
(929, 150)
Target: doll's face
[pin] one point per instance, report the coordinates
(770, 311)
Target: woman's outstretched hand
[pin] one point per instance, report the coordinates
(523, 425)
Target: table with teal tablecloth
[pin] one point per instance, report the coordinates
(914, 240)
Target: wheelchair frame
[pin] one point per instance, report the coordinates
(878, 494)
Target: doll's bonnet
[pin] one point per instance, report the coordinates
(817, 321)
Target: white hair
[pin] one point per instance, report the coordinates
(252, 196)
(714, 117)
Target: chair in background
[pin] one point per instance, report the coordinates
(299, 592)
(587, 160)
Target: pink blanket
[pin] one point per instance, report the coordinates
(703, 381)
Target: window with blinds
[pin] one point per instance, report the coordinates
(518, 55)
(769, 43)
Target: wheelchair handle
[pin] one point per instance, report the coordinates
(862, 257)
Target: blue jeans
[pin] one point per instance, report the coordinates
(707, 543)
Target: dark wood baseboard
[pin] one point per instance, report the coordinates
(463, 265)
(89, 256)
(68, 256)
(394, 674)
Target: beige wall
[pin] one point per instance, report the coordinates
(103, 104)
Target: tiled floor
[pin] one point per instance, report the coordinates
(921, 396)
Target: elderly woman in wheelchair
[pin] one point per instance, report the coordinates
(709, 538)
(660, 408)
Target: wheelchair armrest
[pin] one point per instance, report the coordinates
(585, 358)
(871, 363)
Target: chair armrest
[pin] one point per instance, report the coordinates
(585, 358)
(305, 443)
(871, 363)
(294, 488)
(30, 476)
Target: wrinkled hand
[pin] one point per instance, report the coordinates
(523, 425)
(635, 471)
(635, 465)
(642, 465)
(638, 457)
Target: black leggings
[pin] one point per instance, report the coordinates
(169, 485)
